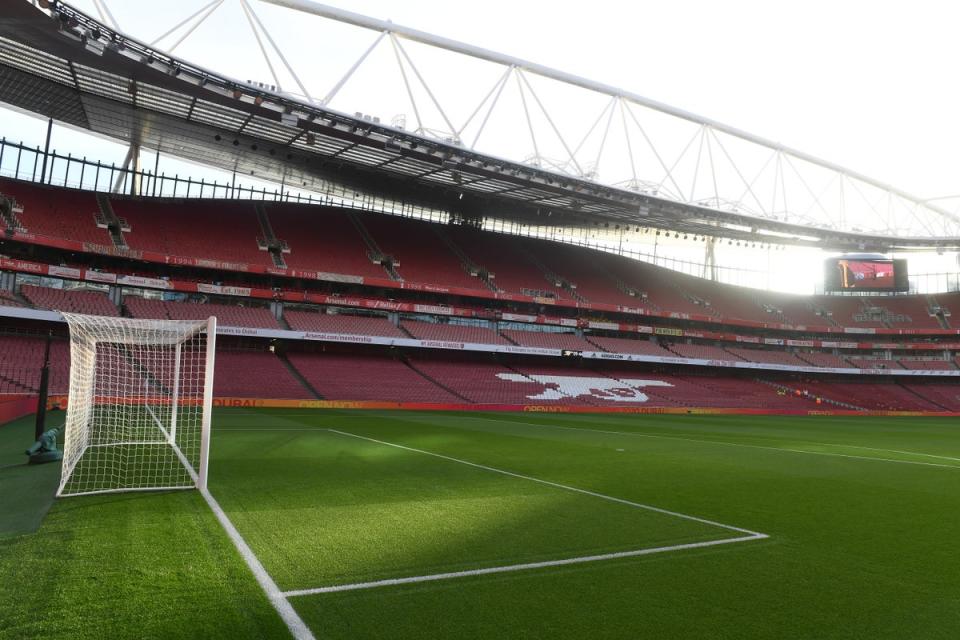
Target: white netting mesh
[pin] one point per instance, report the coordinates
(138, 413)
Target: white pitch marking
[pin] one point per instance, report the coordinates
(565, 487)
(681, 438)
(814, 442)
(268, 429)
(516, 567)
(736, 444)
(909, 453)
(294, 622)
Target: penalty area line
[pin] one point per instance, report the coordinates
(517, 567)
(746, 536)
(565, 487)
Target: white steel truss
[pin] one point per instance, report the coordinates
(632, 142)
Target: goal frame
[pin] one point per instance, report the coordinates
(198, 475)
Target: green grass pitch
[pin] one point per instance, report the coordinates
(861, 516)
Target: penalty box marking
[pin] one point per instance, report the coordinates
(746, 534)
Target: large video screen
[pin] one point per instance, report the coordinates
(865, 273)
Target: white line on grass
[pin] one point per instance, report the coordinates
(739, 444)
(269, 429)
(291, 618)
(565, 487)
(749, 535)
(516, 567)
(681, 438)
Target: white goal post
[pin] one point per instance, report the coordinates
(141, 397)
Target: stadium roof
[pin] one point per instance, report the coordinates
(58, 62)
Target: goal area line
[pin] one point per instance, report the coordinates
(745, 535)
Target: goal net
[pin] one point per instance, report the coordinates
(138, 413)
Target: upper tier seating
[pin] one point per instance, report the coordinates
(361, 377)
(424, 258)
(796, 310)
(93, 303)
(325, 239)
(661, 292)
(948, 302)
(301, 320)
(222, 231)
(702, 352)
(513, 271)
(227, 315)
(58, 213)
(847, 311)
(322, 240)
(548, 340)
(724, 301)
(452, 333)
(639, 346)
(591, 282)
(905, 311)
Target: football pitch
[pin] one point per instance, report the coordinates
(496, 525)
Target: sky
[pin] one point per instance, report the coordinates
(868, 85)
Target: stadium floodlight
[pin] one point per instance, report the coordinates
(138, 413)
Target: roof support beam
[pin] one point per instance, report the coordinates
(408, 33)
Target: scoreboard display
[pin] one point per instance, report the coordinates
(865, 273)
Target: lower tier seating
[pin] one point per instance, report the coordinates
(423, 376)
(255, 374)
(363, 377)
(871, 395)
